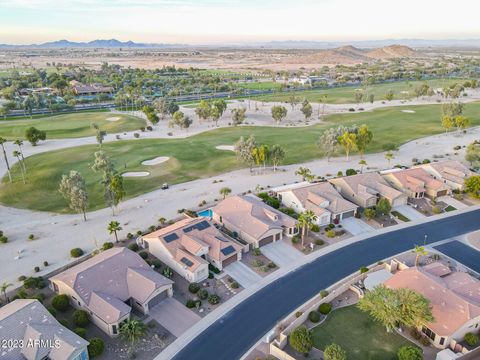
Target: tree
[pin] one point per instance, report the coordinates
(179, 119)
(306, 110)
(371, 98)
(447, 123)
(301, 340)
(389, 156)
(389, 95)
(349, 142)
(172, 107)
(452, 109)
(306, 220)
(218, 108)
(305, 173)
(363, 138)
(383, 207)
(3, 289)
(19, 158)
(472, 154)
(472, 186)
(238, 116)
(369, 213)
(115, 190)
(161, 105)
(150, 113)
(409, 352)
(461, 122)
(34, 135)
(203, 110)
(113, 227)
(99, 134)
(261, 154)
(293, 100)
(96, 347)
(103, 164)
(5, 158)
(362, 163)
(132, 331)
(419, 251)
(277, 154)
(244, 150)
(328, 142)
(334, 352)
(278, 113)
(19, 143)
(225, 191)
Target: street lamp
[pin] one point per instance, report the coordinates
(425, 240)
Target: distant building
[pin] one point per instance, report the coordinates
(308, 80)
(27, 321)
(452, 173)
(110, 284)
(93, 89)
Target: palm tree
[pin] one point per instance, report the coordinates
(2, 142)
(132, 331)
(19, 143)
(225, 191)
(3, 289)
(305, 222)
(162, 221)
(419, 251)
(389, 156)
(304, 172)
(18, 155)
(362, 163)
(113, 227)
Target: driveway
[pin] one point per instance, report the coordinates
(174, 316)
(356, 226)
(409, 212)
(281, 253)
(452, 202)
(242, 274)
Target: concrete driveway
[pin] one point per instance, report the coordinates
(174, 316)
(242, 274)
(356, 226)
(281, 253)
(409, 212)
(452, 202)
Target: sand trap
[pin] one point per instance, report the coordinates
(156, 161)
(408, 111)
(136, 174)
(113, 118)
(225, 147)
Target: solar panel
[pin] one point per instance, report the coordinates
(186, 261)
(228, 250)
(170, 237)
(202, 225)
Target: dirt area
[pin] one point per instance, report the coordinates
(259, 263)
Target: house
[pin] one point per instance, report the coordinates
(321, 198)
(416, 183)
(110, 284)
(452, 173)
(189, 245)
(366, 189)
(253, 221)
(454, 297)
(93, 89)
(27, 321)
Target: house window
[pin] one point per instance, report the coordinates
(114, 329)
(442, 340)
(429, 332)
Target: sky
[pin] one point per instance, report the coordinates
(235, 21)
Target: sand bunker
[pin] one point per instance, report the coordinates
(408, 111)
(225, 147)
(113, 118)
(156, 161)
(136, 174)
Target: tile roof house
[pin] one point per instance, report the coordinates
(416, 183)
(454, 296)
(321, 198)
(109, 284)
(452, 173)
(250, 219)
(366, 189)
(29, 322)
(92, 89)
(189, 245)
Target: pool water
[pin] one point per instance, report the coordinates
(205, 213)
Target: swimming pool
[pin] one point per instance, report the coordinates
(205, 213)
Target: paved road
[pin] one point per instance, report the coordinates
(465, 254)
(233, 334)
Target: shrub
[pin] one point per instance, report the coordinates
(363, 270)
(136, 135)
(80, 318)
(257, 263)
(369, 213)
(340, 173)
(214, 299)
(40, 297)
(76, 252)
(36, 269)
(213, 269)
(315, 228)
(167, 272)
(143, 254)
(235, 285)
(193, 303)
(298, 314)
(271, 265)
(202, 294)
(325, 308)
(330, 226)
(3, 238)
(334, 352)
(107, 245)
(330, 234)
(156, 263)
(129, 236)
(409, 352)
(319, 242)
(45, 263)
(64, 322)
(193, 288)
(60, 302)
(424, 341)
(471, 339)
(96, 347)
(31, 237)
(314, 316)
(133, 246)
(295, 239)
(21, 278)
(52, 311)
(324, 293)
(350, 172)
(257, 252)
(82, 332)
(34, 283)
(301, 340)
(436, 210)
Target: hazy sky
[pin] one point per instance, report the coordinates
(222, 21)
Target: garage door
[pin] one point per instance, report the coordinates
(442, 193)
(157, 299)
(348, 214)
(400, 201)
(266, 241)
(229, 260)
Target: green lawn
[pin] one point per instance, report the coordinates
(260, 85)
(71, 125)
(196, 156)
(345, 95)
(450, 208)
(358, 334)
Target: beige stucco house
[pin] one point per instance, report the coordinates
(28, 321)
(189, 245)
(416, 183)
(366, 189)
(452, 173)
(110, 284)
(321, 198)
(250, 219)
(454, 297)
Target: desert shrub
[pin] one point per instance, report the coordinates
(80, 331)
(136, 135)
(363, 270)
(314, 316)
(143, 254)
(21, 278)
(436, 209)
(133, 246)
(330, 234)
(3, 238)
(319, 242)
(31, 237)
(193, 288)
(45, 263)
(351, 172)
(324, 293)
(471, 339)
(76, 252)
(298, 314)
(80, 318)
(409, 352)
(60, 302)
(96, 347)
(257, 252)
(235, 285)
(340, 173)
(202, 294)
(325, 308)
(107, 245)
(271, 265)
(214, 299)
(257, 263)
(36, 269)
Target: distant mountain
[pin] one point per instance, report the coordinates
(392, 52)
(111, 43)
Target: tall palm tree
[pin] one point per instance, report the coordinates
(113, 227)
(132, 331)
(305, 222)
(3, 289)
(362, 163)
(419, 251)
(19, 143)
(225, 191)
(18, 155)
(2, 142)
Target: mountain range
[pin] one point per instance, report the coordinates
(111, 43)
